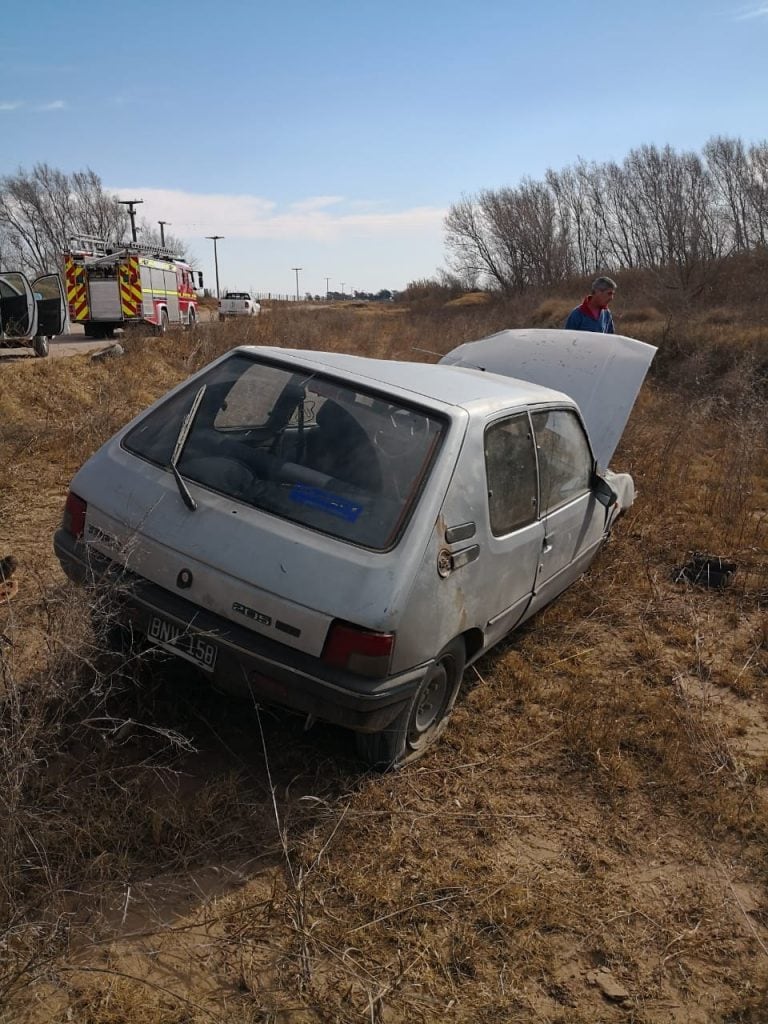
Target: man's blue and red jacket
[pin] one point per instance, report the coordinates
(583, 319)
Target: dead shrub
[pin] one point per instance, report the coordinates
(551, 313)
(641, 315)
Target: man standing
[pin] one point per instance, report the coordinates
(593, 314)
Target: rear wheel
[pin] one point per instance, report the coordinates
(418, 726)
(40, 346)
(162, 327)
(191, 320)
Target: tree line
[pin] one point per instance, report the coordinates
(678, 214)
(42, 209)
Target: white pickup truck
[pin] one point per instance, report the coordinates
(236, 304)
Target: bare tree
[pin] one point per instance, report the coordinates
(676, 214)
(41, 209)
(512, 238)
(150, 235)
(472, 249)
(757, 194)
(729, 169)
(578, 193)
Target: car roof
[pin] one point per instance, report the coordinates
(449, 385)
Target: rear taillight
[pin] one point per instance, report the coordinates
(358, 650)
(74, 515)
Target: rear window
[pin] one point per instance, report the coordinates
(307, 447)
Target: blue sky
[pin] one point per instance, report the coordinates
(334, 136)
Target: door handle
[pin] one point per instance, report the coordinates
(546, 546)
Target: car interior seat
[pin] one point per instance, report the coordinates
(340, 447)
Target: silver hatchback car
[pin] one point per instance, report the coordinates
(342, 536)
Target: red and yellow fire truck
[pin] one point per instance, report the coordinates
(111, 286)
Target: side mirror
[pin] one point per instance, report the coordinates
(603, 491)
(200, 279)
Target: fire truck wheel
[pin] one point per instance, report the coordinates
(192, 320)
(163, 325)
(40, 346)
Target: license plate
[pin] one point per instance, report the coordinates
(182, 641)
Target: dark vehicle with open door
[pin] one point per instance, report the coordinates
(30, 314)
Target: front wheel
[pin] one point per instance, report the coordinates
(191, 320)
(40, 346)
(418, 726)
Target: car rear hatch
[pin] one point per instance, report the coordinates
(305, 493)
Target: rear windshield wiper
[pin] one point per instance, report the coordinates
(178, 448)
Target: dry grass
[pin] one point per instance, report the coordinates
(471, 299)
(599, 801)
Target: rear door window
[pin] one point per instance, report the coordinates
(565, 458)
(510, 465)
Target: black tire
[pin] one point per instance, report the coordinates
(191, 320)
(40, 346)
(162, 327)
(419, 725)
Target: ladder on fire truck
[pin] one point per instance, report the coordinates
(99, 248)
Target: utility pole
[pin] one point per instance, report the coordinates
(130, 203)
(297, 269)
(215, 239)
(162, 224)
(326, 288)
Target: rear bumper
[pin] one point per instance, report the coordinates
(247, 665)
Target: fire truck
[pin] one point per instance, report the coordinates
(111, 286)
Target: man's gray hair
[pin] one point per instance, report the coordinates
(603, 284)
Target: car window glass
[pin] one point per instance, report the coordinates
(251, 398)
(305, 447)
(48, 287)
(565, 459)
(510, 464)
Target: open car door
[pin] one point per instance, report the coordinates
(51, 306)
(18, 309)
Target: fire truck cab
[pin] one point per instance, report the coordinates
(110, 286)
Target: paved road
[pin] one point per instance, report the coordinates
(63, 345)
(74, 342)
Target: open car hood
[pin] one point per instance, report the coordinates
(602, 373)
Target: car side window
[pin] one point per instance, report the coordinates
(510, 466)
(565, 459)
